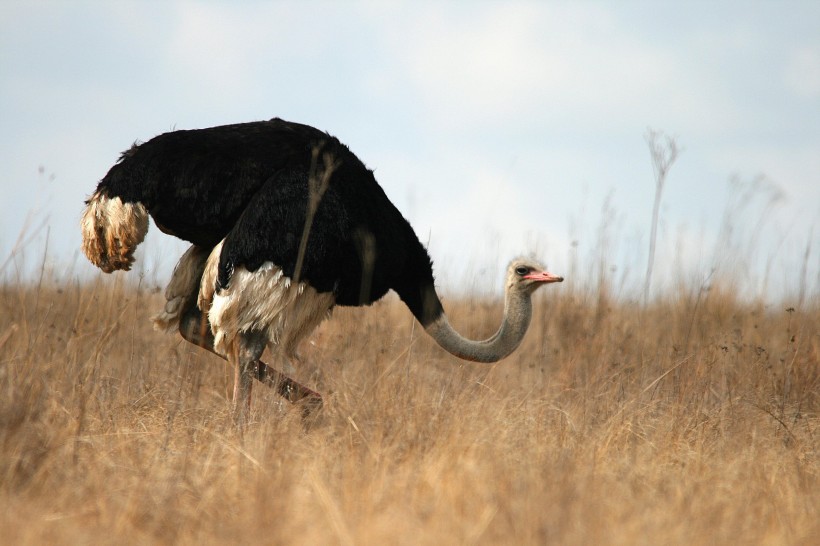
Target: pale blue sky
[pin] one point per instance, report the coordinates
(498, 128)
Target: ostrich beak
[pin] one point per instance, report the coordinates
(544, 277)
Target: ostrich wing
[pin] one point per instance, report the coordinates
(197, 183)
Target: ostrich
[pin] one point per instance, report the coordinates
(285, 223)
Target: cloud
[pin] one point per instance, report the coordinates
(485, 121)
(802, 72)
(542, 65)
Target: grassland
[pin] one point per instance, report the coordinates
(693, 420)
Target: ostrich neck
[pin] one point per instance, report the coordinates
(517, 315)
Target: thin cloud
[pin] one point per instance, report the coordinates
(484, 121)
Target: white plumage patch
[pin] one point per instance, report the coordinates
(208, 285)
(184, 286)
(263, 301)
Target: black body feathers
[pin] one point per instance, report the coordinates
(249, 185)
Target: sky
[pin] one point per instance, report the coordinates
(497, 128)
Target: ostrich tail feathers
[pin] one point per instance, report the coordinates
(182, 289)
(112, 230)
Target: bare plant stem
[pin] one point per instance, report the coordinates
(318, 182)
(664, 151)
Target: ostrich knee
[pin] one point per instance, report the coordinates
(194, 328)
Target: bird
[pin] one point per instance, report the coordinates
(285, 223)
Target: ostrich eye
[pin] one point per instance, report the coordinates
(521, 270)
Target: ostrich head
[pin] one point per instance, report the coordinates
(525, 276)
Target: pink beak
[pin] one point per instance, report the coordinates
(544, 277)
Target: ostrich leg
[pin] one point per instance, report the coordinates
(194, 328)
(244, 356)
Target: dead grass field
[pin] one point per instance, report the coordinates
(693, 421)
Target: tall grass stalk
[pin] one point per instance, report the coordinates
(698, 426)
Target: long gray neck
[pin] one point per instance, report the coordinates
(517, 315)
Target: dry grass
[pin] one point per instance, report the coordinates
(693, 421)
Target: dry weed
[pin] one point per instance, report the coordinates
(691, 421)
